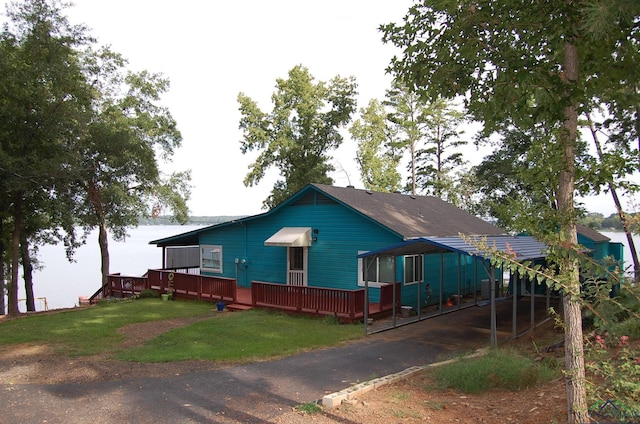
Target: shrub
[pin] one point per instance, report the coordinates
(149, 294)
(501, 369)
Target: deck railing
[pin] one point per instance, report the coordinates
(316, 300)
(180, 285)
(123, 286)
(191, 286)
(386, 296)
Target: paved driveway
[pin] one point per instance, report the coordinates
(254, 393)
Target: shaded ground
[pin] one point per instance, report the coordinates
(406, 401)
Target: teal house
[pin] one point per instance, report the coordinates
(599, 245)
(314, 239)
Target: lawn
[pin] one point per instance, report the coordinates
(226, 336)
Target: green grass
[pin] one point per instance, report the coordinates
(93, 330)
(240, 337)
(309, 408)
(501, 369)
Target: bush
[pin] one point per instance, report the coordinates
(501, 369)
(149, 294)
(612, 356)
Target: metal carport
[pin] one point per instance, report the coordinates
(525, 248)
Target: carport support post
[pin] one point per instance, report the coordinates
(395, 271)
(514, 280)
(532, 318)
(366, 294)
(492, 285)
(441, 280)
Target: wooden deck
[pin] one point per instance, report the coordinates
(345, 305)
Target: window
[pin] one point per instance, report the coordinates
(382, 272)
(412, 269)
(296, 258)
(211, 258)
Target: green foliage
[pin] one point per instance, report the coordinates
(297, 136)
(532, 68)
(81, 138)
(149, 294)
(226, 337)
(500, 370)
(309, 408)
(427, 131)
(378, 154)
(612, 354)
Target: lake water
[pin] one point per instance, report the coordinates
(60, 283)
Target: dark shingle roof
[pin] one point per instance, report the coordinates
(411, 216)
(591, 234)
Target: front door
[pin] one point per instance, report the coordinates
(297, 264)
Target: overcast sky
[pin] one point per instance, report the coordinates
(213, 50)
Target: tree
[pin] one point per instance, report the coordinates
(298, 134)
(405, 123)
(378, 155)
(437, 161)
(78, 139)
(43, 102)
(119, 178)
(408, 115)
(519, 62)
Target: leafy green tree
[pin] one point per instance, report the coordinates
(117, 159)
(378, 155)
(79, 139)
(407, 113)
(43, 103)
(428, 131)
(517, 63)
(440, 157)
(297, 136)
(593, 220)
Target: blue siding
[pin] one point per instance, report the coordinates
(332, 258)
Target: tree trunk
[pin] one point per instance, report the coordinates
(104, 252)
(27, 270)
(18, 223)
(3, 305)
(574, 352)
(616, 201)
(95, 195)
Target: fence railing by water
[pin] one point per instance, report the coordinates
(191, 286)
(178, 285)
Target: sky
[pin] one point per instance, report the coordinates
(213, 50)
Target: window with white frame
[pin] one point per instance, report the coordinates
(211, 258)
(379, 273)
(412, 269)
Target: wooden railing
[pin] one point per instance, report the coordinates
(386, 296)
(308, 299)
(180, 285)
(191, 286)
(120, 286)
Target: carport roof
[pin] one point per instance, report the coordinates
(525, 247)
